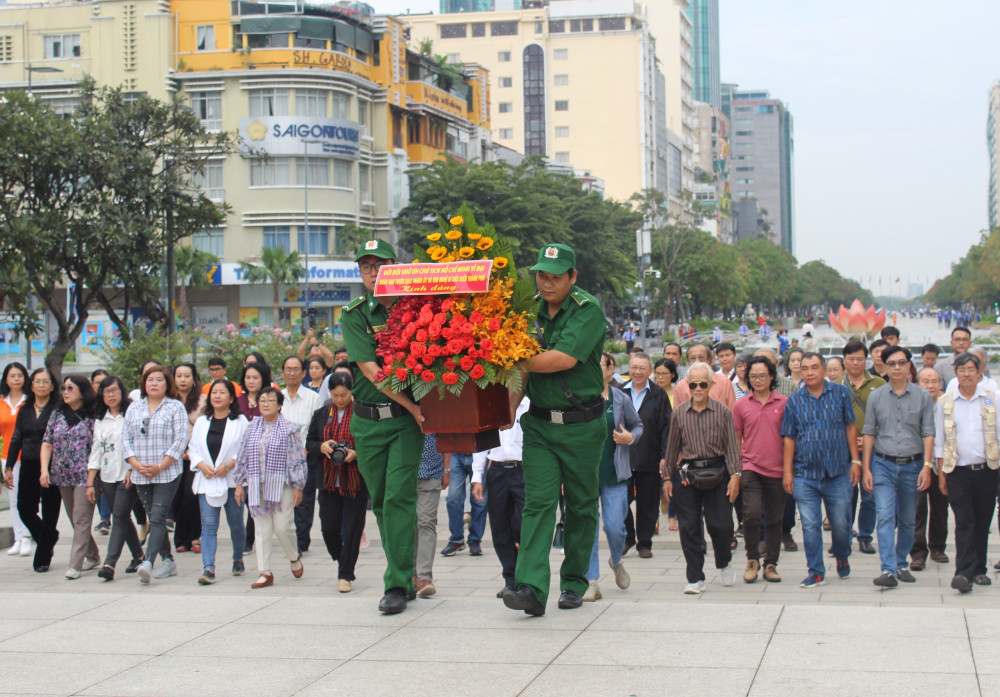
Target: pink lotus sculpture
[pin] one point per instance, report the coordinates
(857, 321)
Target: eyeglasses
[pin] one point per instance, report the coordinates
(896, 364)
(68, 388)
(698, 385)
(369, 268)
(41, 382)
(765, 376)
(145, 424)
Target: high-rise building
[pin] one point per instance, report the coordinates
(705, 51)
(448, 6)
(762, 155)
(576, 81)
(993, 143)
(712, 169)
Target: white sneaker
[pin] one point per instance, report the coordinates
(72, 574)
(145, 572)
(622, 579)
(89, 564)
(26, 549)
(727, 575)
(593, 593)
(167, 568)
(696, 588)
(16, 549)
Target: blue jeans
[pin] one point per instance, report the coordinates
(896, 499)
(835, 493)
(461, 472)
(865, 512)
(614, 506)
(210, 529)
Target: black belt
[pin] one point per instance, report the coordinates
(506, 464)
(591, 411)
(900, 460)
(378, 412)
(976, 466)
(698, 464)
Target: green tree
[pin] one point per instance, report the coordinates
(276, 267)
(191, 267)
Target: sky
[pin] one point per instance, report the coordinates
(889, 100)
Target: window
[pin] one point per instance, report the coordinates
(562, 80)
(745, 194)
(503, 28)
(674, 172)
(6, 49)
(743, 144)
(533, 69)
(453, 58)
(364, 185)
(611, 23)
(562, 131)
(744, 133)
(744, 169)
(539, 27)
(743, 109)
(562, 157)
(62, 46)
(505, 82)
(479, 29)
(341, 105)
(342, 173)
(210, 181)
(319, 240)
(744, 157)
(277, 39)
(742, 122)
(269, 102)
(744, 181)
(278, 237)
(319, 171)
(454, 31)
(562, 105)
(273, 171)
(205, 37)
(362, 113)
(560, 54)
(210, 241)
(505, 107)
(310, 102)
(503, 57)
(765, 108)
(207, 106)
(317, 44)
(64, 106)
(579, 25)
(557, 26)
(506, 133)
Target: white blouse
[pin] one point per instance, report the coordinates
(107, 453)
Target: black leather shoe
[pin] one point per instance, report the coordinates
(412, 595)
(475, 549)
(961, 584)
(393, 602)
(570, 600)
(133, 566)
(523, 599)
(866, 547)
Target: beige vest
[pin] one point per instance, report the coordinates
(987, 408)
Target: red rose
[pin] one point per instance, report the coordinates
(434, 350)
(410, 362)
(449, 364)
(434, 330)
(457, 321)
(467, 341)
(427, 359)
(486, 345)
(407, 317)
(476, 317)
(417, 350)
(486, 355)
(400, 355)
(468, 328)
(447, 333)
(421, 335)
(440, 318)
(449, 378)
(454, 346)
(466, 363)
(494, 324)
(473, 353)
(427, 376)
(401, 374)
(379, 376)
(477, 372)
(446, 304)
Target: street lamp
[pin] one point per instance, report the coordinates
(307, 318)
(39, 69)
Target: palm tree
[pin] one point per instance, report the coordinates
(191, 268)
(276, 267)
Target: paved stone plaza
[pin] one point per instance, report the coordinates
(301, 637)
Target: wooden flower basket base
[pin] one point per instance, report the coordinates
(469, 422)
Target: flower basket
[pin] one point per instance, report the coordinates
(469, 421)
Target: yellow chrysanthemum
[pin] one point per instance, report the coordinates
(434, 236)
(466, 252)
(450, 257)
(484, 243)
(456, 221)
(475, 235)
(437, 253)
(500, 262)
(453, 234)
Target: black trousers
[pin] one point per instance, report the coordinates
(122, 500)
(503, 508)
(973, 496)
(647, 509)
(759, 490)
(43, 529)
(718, 513)
(342, 520)
(187, 512)
(305, 512)
(931, 531)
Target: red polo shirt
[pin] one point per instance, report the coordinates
(763, 446)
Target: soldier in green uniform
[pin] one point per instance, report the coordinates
(564, 433)
(386, 432)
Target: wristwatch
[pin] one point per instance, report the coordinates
(856, 462)
(929, 465)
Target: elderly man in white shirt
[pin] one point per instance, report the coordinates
(300, 403)
(505, 482)
(985, 381)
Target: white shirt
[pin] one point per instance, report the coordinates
(198, 450)
(987, 383)
(300, 409)
(968, 428)
(509, 449)
(107, 453)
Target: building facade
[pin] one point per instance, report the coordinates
(712, 169)
(762, 159)
(993, 144)
(575, 81)
(704, 16)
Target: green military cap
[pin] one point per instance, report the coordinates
(555, 259)
(376, 248)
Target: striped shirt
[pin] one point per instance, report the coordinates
(703, 435)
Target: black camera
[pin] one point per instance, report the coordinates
(339, 453)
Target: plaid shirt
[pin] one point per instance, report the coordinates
(149, 437)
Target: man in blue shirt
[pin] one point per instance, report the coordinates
(821, 464)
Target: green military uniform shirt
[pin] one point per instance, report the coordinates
(360, 320)
(578, 330)
(870, 384)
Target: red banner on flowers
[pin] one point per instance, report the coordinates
(457, 277)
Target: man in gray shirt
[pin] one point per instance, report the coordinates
(961, 340)
(898, 442)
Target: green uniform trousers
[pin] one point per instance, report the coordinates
(389, 458)
(555, 454)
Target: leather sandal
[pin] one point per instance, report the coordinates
(263, 581)
(297, 572)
